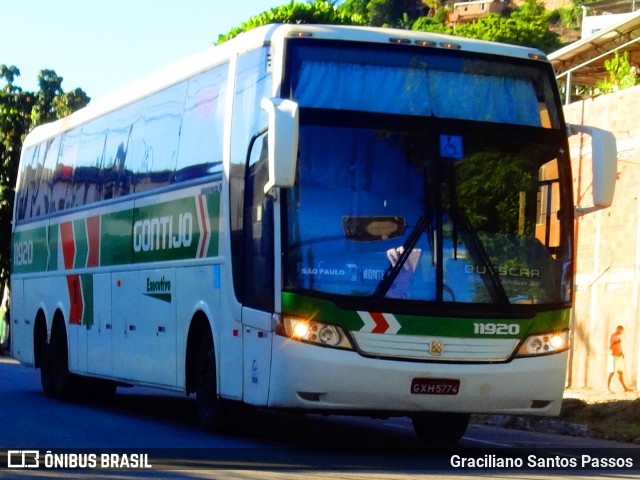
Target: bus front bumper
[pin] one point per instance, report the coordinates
(314, 378)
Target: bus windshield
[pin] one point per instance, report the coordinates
(446, 204)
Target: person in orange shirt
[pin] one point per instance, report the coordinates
(616, 360)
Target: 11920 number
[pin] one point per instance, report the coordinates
(496, 328)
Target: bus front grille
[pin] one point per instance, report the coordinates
(450, 349)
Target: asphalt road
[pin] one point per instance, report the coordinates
(264, 444)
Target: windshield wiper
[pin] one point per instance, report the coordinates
(393, 271)
(480, 255)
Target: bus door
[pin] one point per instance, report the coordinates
(258, 276)
(257, 341)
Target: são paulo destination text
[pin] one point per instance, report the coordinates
(535, 461)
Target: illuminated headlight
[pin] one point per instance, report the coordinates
(316, 332)
(544, 344)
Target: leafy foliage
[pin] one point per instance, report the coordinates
(20, 111)
(318, 12)
(394, 13)
(570, 17)
(621, 74)
(492, 180)
(527, 26)
(428, 24)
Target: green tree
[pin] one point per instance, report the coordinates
(620, 74)
(516, 30)
(385, 13)
(68, 102)
(570, 16)
(526, 26)
(20, 111)
(318, 12)
(429, 24)
(531, 10)
(15, 119)
(355, 7)
(50, 85)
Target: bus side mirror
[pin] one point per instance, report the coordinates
(282, 142)
(604, 157)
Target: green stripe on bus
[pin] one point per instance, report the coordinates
(81, 244)
(213, 205)
(165, 231)
(115, 241)
(87, 298)
(309, 307)
(52, 242)
(327, 311)
(160, 232)
(29, 250)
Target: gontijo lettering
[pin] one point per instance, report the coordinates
(163, 233)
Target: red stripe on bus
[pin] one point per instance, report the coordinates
(205, 232)
(93, 235)
(68, 244)
(76, 303)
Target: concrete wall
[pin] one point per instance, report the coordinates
(608, 244)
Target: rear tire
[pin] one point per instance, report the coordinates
(441, 428)
(212, 411)
(62, 380)
(46, 369)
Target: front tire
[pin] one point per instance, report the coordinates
(441, 428)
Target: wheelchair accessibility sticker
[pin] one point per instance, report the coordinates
(451, 147)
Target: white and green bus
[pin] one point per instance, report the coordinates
(314, 218)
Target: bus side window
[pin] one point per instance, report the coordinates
(201, 133)
(155, 138)
(39, 200)
(61, 181)
(547, 222)
(258, 230)
(26, 175)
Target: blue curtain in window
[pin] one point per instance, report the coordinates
(416, 91)
(371, 88)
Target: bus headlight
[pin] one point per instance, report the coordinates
(312, 331)
(544, 344)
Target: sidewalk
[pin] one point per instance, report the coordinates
(591, 395)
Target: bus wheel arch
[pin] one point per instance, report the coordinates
(202, 376)
(199, 325)
(40, 339)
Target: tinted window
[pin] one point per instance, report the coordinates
(172, 136)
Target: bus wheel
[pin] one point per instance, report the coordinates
(46, 369)
(62, 379)
(210, 407)
(440, 429)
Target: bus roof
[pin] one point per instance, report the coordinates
(264, 35)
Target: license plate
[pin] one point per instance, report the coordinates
(435, 386)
